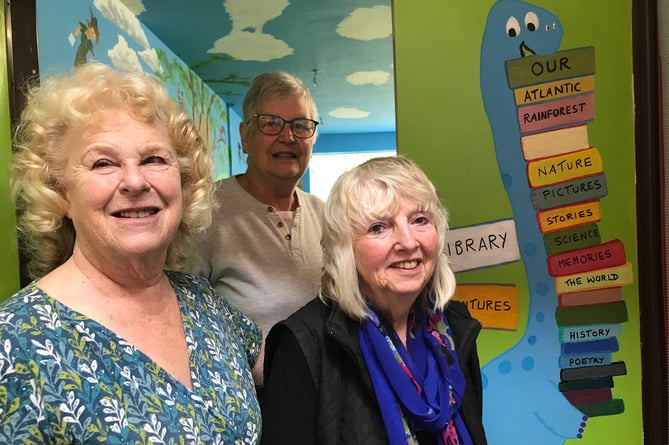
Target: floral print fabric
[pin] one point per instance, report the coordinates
(64, 378)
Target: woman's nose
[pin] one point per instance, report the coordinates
(406, 237)
(287, 132)
(134, 180)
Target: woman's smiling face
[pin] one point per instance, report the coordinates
(282, 155)
(396, 256)
(123, 186)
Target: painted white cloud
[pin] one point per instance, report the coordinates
(246, 40)
(367, 23)
(375, 78)
(123, 57)
(122, 17)
(348, 113)
(135, 6)
(243, 45)
(253, 14)
(150, 57)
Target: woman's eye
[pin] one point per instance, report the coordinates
(376, 228)
(422, 220)
(154, 160)
(101, 163)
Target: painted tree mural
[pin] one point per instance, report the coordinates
(208, 111)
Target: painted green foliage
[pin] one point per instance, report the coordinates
(206, 108)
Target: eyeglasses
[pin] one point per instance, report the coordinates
(271, 125)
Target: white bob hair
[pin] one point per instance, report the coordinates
(361, 195)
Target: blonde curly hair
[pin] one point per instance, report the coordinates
(66, 102)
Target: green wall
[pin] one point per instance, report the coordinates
(443, 126)
(9, 259)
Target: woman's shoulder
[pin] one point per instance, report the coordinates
(310, 200)
(463, 325)
(309, 318)
(187, 280)
(227, 184)
(193, 290)
(29, 319)
(24, 301)
(314, 309)
(318, 320)
(304, 329)
(458, 309)
(230, 194)
(196, 289)
(202, 301)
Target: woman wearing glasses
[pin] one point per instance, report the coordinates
(263, 251)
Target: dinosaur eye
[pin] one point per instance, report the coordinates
(531, 21)
(512, 27)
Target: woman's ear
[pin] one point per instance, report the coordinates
(69, 204)
(244, 136)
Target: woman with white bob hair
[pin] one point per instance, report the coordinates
(382, 356)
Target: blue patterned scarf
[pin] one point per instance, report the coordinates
(420, 390)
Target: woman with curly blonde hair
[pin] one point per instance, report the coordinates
(110, 340)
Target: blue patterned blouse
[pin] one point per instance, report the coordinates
(66, 379)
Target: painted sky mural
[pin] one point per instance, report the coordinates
(107, 31)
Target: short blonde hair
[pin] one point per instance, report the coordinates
(359, 196)
(67, 102)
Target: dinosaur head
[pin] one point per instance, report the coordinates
(518, 29)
